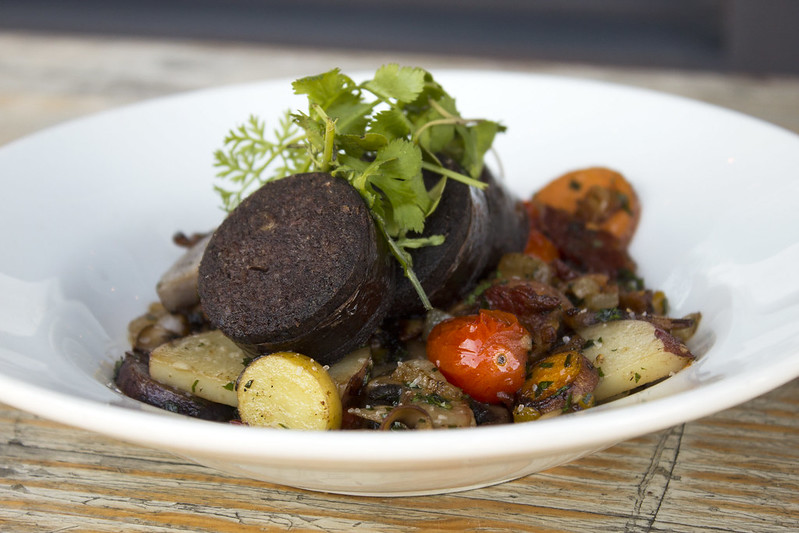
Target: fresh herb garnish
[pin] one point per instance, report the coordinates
(568, 405)
(609, 315)
(629, 279)
(480, 288)
(248, 154)
(433, 399)
(541, 387)
(379, 135)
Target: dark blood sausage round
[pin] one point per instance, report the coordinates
(298, 266)
(478, 227)
(510, 225)
(448, 270)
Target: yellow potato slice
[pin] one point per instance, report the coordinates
(288, 390)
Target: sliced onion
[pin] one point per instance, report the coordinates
(411, 416)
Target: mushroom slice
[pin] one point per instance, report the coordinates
(177, 288)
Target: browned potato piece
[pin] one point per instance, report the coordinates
(632, 353)
(288, 390)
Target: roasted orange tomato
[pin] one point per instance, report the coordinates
(485, 354)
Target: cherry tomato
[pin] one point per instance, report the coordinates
(485, 354)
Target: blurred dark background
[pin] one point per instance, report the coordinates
(749, 36)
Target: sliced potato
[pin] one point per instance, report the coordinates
(631, 353)
(206, 365)
(288, 390)
(351, 372)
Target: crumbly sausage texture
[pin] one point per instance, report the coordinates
(298, 265)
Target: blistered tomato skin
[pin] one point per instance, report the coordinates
(485, 354)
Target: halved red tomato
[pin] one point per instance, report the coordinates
(484, 354)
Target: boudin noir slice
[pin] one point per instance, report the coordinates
(510, 225)
(449, 270)
(299, 266)
(478, 227)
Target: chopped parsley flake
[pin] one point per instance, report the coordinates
(609, 315)
(433, 399)
(541, 387)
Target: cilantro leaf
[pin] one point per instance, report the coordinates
(403, 84)
(392, 123)
(399, 177)
(326, 88)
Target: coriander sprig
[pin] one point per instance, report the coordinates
(379, 135)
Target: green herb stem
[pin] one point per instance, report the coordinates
(457, 176)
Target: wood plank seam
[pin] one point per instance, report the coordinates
(669, 440)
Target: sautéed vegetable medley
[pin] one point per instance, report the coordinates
(382, 278)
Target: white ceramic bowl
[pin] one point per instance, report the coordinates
(89, 208)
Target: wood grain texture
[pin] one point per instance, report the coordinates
(735, 471)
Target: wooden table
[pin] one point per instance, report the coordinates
(734, 471)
